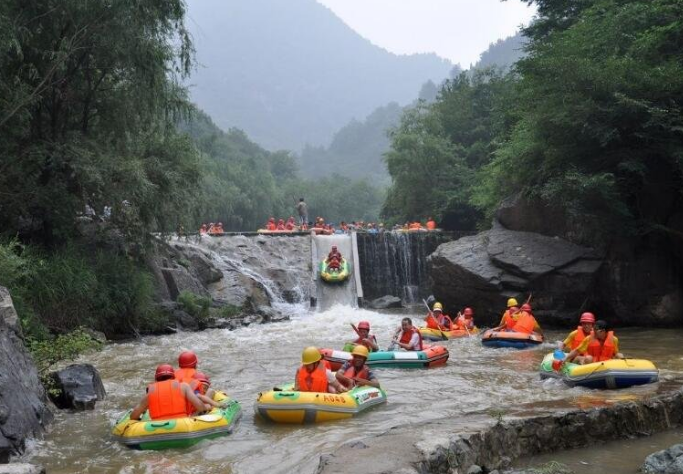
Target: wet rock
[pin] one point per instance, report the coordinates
(21, 468)
(205, 270)
(386, 302)
(492, 266)
(667, 461)
(475, 470)
(23, 403)
(185, 320)
(180, 279)
(79, 385)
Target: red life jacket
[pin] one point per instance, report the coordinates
(602, 350)
(579, 337)
(363, 373)
(407, 336)
(315, 381)
(271, 226)
(185, 375)
(166, 400)
(526, 323)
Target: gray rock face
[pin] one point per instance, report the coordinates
(386, 302)
(486, 269)
(23, 403)
(667, 461)
(80, 386)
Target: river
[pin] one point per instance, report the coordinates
(252, 359)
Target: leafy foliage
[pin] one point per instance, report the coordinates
(194, 305)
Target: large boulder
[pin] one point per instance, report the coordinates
(24, 412)
(484, 270)
(386, 302)
(667, 461)
(78, 386)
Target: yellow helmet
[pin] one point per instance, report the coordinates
(360, 350)
(436, 306)
(512, 302)
(310, 355)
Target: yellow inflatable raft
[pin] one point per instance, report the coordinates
(178, 432)
(286, 406)
(430, 334)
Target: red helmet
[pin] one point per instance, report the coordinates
(526, 307)
(163, 372)
(202, 377)
(468, 312)
(364, 325)
(587, 318)
(187, 360)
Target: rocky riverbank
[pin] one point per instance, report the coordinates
(485, 445)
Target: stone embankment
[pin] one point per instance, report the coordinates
(456, 446)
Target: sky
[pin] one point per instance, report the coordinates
(458, 30)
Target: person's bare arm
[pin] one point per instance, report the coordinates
(140, 409)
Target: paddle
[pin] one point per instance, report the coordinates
(443, 336)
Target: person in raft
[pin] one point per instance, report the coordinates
(187, 361)
(407, 337)
(465, 320)
(576, 337)
(204, 391)
(600, 346)
(271, 225)
(437, 320)
(517, 320)
(354, 372)
(167, 397)
(314, 376)
(365, 338)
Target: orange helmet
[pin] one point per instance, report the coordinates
(187, 360)
(364, 325)
(163, 372)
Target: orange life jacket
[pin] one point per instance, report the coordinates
(525, 323)
(509, 320)
(578, 338)
(431, 225)
(407, 336)
(166, 400)
(315, 381)
(602, 350)
(363, 373)
(271, 226)
(185, 375)
(371, 337)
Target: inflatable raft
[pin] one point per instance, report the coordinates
(430, 334)
(276, 232)
(331, 276)
(286, 406)
(177, 432)
(432, 356)
(511, 339)
(613, 373)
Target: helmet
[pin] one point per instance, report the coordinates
(438, 306)
(364, 325)
(163, 372)
(220, 223)
(512, 302)
(310, 354)
(587, 318)
(360, 350)
(187, 360)
(526, 307)
(468, 312)
(202, 377)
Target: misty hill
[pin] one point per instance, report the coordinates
(357, 149)
(291, 72)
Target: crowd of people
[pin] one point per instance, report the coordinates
(212, 229)
(186, 391)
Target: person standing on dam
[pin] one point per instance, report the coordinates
(302, 210)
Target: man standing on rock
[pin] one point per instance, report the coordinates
(302, 210)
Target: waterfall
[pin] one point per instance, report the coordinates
(395, 263)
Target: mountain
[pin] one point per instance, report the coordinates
(291, 72)
(503, 53)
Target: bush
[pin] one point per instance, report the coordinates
(195, 305)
